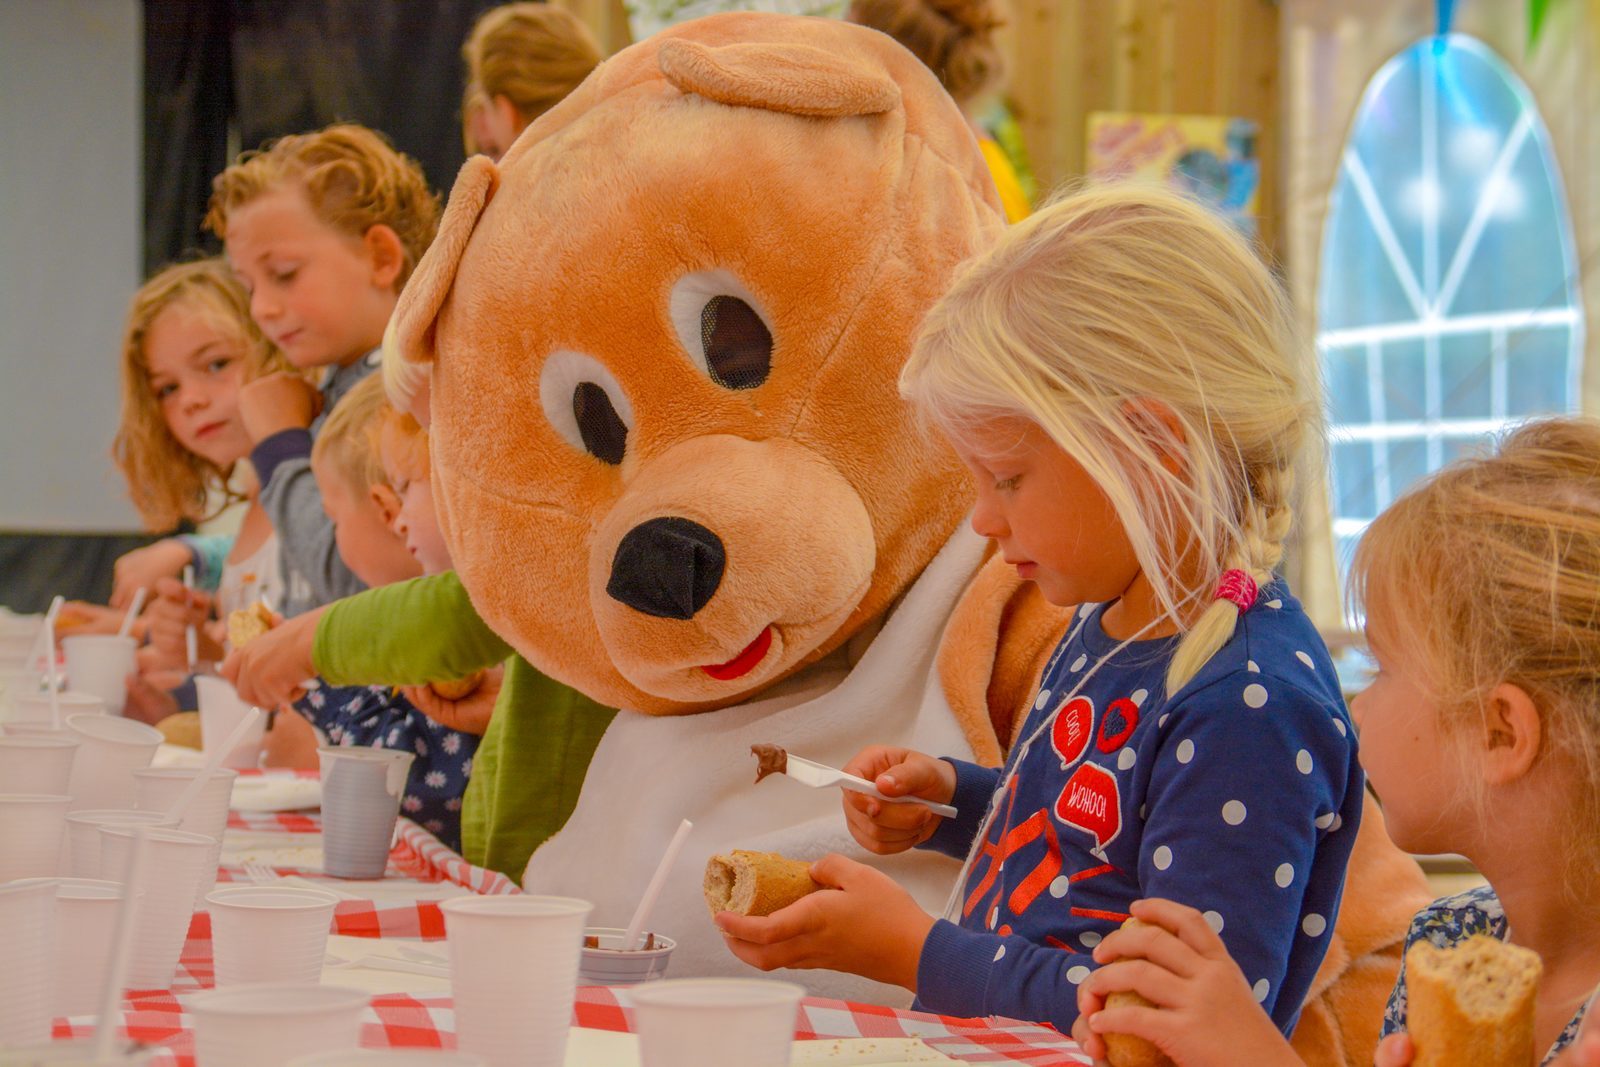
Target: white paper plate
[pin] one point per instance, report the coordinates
(276, 794)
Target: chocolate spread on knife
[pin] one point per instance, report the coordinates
(770, 759)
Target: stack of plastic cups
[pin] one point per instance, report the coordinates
(269, 934)
(173, 868)
(37, 764)
(32, 828)
(30, 715)
(83, 835)
(361, 789)
(110, 750)
(86, 925)
(220, 711)
(99, 664)
(28, 932)
(513, 975)
(267, 1025)
(688, 1022)
(157, 789)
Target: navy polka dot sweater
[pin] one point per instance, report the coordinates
(375, 716)
(1238, 796)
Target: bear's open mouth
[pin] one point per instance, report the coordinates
(744, 662)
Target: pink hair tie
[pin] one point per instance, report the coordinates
(1237, 587)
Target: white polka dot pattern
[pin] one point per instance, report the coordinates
(1077, 974)
(1302, 761)
(1059, 886)
(1214, 920)
(1185, 750)
(999, 953)
(1313, 925)
(1233, 812)
(1255, 695)
(1162, 858)
(1126, 759)
(1261, 989)
(1284, 875)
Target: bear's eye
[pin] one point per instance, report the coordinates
(737, 344)
(721, 327)
(586, 405)
(604, 434)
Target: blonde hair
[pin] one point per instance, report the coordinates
(953, 38)
(347, 443)
(403, 446)
(531, 54)
(352, 176)
(1108, 313)
(167, 482)
(1489, 572)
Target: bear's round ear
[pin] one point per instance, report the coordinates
(795, 78)
(411, 327)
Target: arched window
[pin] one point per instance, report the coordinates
(1448, 298)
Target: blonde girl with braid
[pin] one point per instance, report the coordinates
(1120, 375)
(1481, 732)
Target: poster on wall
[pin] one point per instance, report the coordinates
(645, 17)
(1212, 157)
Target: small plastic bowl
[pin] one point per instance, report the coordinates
(609, 964)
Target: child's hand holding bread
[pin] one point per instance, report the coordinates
(469, 711)
(270, 667)
(1166, 981)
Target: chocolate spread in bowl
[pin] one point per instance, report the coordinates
(770, 759)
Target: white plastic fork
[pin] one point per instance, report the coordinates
(386, 963)
(821, 776)
(263, 874)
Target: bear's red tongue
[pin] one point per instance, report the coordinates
(744, 662)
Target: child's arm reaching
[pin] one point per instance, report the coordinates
(1202, 1011)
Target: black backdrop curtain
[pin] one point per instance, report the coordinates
(265, 68)
(272, 67)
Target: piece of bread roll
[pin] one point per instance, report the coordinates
(1471, 1005)
(458, 689)
(247, 624)
(756, 883)
(1125, 1050)
(181, 728)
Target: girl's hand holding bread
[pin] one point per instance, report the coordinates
(1193, 1006)
(270, 670)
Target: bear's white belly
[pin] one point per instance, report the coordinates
(650, 772)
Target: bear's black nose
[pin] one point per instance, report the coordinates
(668, 567)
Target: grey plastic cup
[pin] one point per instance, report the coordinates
(361, 790)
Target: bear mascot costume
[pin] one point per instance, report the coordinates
(673, 467)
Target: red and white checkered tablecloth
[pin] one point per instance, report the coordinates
(157, 1017)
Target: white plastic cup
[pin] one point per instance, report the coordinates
(28, 932)
(100, 664)
(35, 708)
(110, 749)
(18, 681)
(86, 926)
(389, 1057)
(79, 1053)
(688, 1022)
(361, 790)
(157, 789)
(174, 866)
(37, 764)
(220, 711)
(269, 934)
(609, 963)
(32, 827)
(513, 975)
(83, 835)
(266, 1025)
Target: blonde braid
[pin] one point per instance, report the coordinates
(1268, 515)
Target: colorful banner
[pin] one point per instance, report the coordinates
(1212, 157)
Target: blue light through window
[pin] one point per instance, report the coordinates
(1448, 303)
